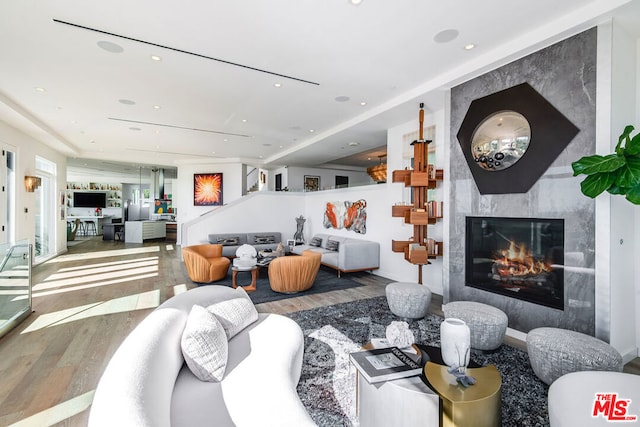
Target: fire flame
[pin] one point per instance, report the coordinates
(517, 261)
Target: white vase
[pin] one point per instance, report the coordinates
(455, 342)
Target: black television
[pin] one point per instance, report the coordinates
(89, 199)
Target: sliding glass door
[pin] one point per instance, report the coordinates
(45, 210)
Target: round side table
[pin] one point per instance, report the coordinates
(254, 277)
(477, 405)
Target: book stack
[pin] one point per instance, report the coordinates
(434, 209)
(384, 364)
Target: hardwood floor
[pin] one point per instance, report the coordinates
(85, 303)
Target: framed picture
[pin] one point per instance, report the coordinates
(207, 189)
(291, 243)
(311, 183)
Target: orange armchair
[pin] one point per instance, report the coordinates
(293, 274)
(205, 263)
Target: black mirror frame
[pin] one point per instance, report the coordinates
(551, 132)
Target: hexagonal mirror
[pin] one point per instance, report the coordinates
(500, 140)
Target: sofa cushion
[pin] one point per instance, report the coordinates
(204, 345)
(332, 245)
(316, 241)
(235, 314)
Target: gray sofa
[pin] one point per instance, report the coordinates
(351, 255)
(147, 382)
(232, 241)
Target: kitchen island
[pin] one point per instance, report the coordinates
(139, 231)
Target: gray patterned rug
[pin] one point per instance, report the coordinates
(327, 384)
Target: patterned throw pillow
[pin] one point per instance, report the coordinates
(204, 345)
(228, 241)
(260, 240)
(332, 245)
(235, 314)
(316, 241)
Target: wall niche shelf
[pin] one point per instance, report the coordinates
(419, 249)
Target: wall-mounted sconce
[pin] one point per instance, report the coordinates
(31, 183)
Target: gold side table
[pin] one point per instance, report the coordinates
(477, 405)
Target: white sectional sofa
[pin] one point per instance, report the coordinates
(351, 254)
(147, 382)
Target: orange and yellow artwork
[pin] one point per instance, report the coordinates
(207, 189)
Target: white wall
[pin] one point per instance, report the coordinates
(232, 187)
(295, 177)
(624, 250)
(27, 149)
(259, 211)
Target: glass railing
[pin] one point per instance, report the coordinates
(15, 284)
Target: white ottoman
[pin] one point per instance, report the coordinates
(554, 352)
(410, 300)
(487, 324)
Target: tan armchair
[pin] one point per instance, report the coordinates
(205, 263)
(293, 274)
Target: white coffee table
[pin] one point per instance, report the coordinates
(402, 402)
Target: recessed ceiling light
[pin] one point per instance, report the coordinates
(281, 146)
(277, 84)
(213, 152)
(225, 140)
(363, 103)
(110, 47)
(354, 144)
(156, 58)
(244, 120)
(446, 36)
(260, 157)
(342, 98)
(73, 122)
(355, 2)
(469, 46)
(40, 89)
(126, 102)
(311, 130)
(157, 107)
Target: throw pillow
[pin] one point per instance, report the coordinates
(204, 345)
(264, 239)
(235, 314)
(332, 245)
(316, 241)
(228, 241)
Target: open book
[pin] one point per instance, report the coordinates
(384, 364)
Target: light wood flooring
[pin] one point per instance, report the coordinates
(85, 303)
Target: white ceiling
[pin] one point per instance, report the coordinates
(207, 81)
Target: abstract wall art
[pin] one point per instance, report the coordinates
(207, 189)
(348, 215)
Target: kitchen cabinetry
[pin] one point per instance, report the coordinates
(139, 231)
(419, 248)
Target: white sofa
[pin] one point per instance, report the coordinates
(147, 382)
(352, 254)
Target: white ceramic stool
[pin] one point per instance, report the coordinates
(410, 300)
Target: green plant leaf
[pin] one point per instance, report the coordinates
(629, 174)
(632, 148)
(633, 195)
(624, 137)
(589, 165)
(614, 189)
(595, 184)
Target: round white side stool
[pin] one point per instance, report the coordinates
(409, 300)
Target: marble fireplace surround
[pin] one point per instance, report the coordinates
(565, 74)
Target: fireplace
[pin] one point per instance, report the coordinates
(518, 257)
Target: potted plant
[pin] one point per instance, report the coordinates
(617, 173)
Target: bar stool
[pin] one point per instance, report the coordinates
(90, 227)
